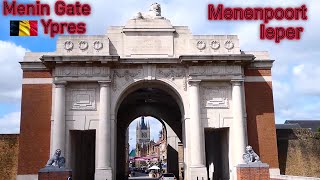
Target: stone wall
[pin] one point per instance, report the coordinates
(9, 148)
(299, 152)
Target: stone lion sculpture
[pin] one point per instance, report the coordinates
(153, 13)
(250, 156)
(57, 160)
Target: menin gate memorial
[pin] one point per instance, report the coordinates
(81, 99)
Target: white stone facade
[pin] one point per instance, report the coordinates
(93, 74)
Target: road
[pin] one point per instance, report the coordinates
(141, 176)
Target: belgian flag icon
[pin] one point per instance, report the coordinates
(24, 28)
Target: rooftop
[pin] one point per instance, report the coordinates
(313, 125)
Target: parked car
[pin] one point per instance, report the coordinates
(168, 176)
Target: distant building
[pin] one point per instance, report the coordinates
(162, 144)
(298, 148)
(148, 151)
(313, 125)
(142, 137)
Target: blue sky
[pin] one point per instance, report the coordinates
(296, 71)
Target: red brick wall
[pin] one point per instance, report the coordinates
(34, 140)
(260, 118)
(253, 173)
(37, 74)
(55, 175)
(257, 72)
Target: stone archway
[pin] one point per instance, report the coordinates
(211, 87)
(155, 99)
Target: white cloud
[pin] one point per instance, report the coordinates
(297, 70)
(281, 93)
(306, 78)
(10, 123)
(10, 71)
(309, 111)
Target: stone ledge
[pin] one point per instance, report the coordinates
(54, 173)
(280, 177)
(253, 165)
(54, 169)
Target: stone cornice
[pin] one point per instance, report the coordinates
(238, 58)
(148, 30)
(32, 66)
(48, 61)
(241, 58)
(248, 58)
(150, 60)
(78, 58)
(261, 64)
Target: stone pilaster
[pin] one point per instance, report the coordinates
(197, 168)
(59, 123)
(103, 170)
(239, 126)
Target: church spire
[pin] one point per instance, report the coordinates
(137, 125)
(143, 124)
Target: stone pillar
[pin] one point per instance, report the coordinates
(59, 123)
(103, 170)
(197, 168)
(239, 127)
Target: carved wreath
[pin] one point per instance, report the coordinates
(126, 74)
(172, 73)
(68, 45)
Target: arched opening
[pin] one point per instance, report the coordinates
(147, 137)
(150, 99)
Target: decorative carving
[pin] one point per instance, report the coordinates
(97, 45)
(174, 72)
(125, 74)
(83, 99)
(154, 13)
(217, 102)
(214, 70)
(201, 45)
(215, 97)
(215, 45)
(229, 45)
(83, 45)
(250, 156)
(82, 71)
(57, 160)
(68, 45)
